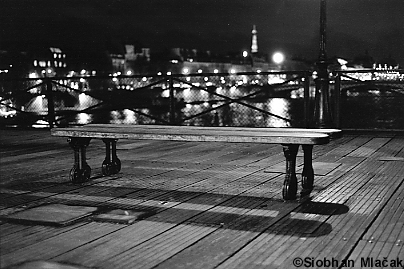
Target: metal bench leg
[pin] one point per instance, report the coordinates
(308, 171)
(81, 171)
(111, 164)
(290, 184)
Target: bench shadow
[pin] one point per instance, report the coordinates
(222, 211)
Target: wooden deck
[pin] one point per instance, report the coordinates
(210, 205)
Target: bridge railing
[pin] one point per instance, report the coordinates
(368, 99)
(222, 99)
(364, 99)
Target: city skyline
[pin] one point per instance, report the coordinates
(291, 26)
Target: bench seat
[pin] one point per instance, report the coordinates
(289, 138)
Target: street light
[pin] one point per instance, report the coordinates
(322, 115)
(278, 57)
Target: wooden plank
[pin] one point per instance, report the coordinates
(348, 228)
(31, 235)
(103, 196)
(388, 226)
(390, 149)
(82, 197)
(373, 252)
(193, 134)
(332, 132)
(128, 250)
(370, 147)
(51, 247)
(371, 192)
(249, 255)
(351, 145)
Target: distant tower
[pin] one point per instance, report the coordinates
(254, 45)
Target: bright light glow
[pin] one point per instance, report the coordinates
(169, 73)
(200, 71)
(185, 70)
(278, 57)
(215, 71)
(232, 71)
(5, 113)
(129, 72)
(33, 75)
(165, 93)
(342, 61)
(130, 116)
(83, 71)
(83, 118)
(272, 79)
(187, 92)
(36, 104)
(245, 54)
(159, 74)
(278, 106)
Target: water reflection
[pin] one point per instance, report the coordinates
(84, 118)
(280, 107)
(360, 107)
(227, 115)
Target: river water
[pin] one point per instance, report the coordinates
(357, 112)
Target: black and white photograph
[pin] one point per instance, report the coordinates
(206, 134)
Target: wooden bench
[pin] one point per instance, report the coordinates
(289, 138)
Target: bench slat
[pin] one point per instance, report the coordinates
(195, 134)
(333, 133)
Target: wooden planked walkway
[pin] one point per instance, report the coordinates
(211, 205)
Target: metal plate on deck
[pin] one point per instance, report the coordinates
(121, 216)
(45, 265)
(51, 214)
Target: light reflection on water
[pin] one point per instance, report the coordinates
(240, 115)
(83, 118)
(280, 107)
(357, 111)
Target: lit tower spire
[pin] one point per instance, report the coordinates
(254, 45)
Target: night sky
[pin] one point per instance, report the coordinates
(292, 26)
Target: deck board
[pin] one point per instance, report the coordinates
(212, 205)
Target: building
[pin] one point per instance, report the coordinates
(48, 62)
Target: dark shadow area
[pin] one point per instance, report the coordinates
(259, 214)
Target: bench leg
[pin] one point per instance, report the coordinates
(81, 171)
(111, 164)
(290, 184)
(308, 171)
